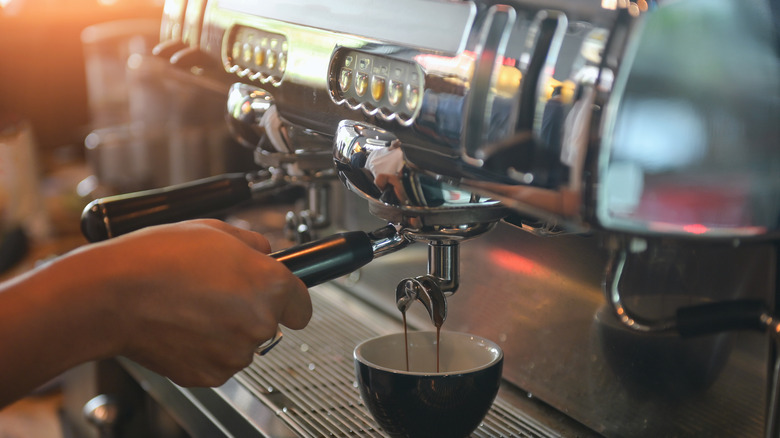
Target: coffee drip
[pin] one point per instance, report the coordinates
(406, 342)
(425, 290)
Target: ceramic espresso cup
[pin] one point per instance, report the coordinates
(422, 402)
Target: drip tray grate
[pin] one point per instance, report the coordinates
(308, 379)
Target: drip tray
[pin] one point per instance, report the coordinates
(308, 379)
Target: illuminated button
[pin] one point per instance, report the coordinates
(378, 86)
(259, 56)
(395, 92)
(361, 84)
(348, 61)
(235, 53)
(282, 64)
(345, 79)
(363, 63)
(271, 58)
(246, 53)
(412, 97)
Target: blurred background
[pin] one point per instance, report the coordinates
(43, 74)
(45, 108)
(46, 114)
(85, 113)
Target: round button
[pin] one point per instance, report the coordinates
(378, 86)
(259, 56)
(345, 79)
(235, 52)
(412, 97)
(246, 53)
(271, 58)
(361, 83)
(395, 92)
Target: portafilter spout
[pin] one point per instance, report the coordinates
(426, 290)
(371, 163)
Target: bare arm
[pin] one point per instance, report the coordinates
(190, 301)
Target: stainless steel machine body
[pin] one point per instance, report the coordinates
(599, 180)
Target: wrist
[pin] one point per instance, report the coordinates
(83, 289)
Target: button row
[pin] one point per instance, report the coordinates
(257, 54)
(268, 54)
(377, 83)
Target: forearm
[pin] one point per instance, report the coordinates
(51, 322)
(194, 308)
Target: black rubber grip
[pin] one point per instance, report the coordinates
(719, 317)
(325, 259)
(116, 215)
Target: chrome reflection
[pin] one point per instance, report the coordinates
(691, 139)
(371, 162)
(627, 120)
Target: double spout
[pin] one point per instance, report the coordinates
(432, 289)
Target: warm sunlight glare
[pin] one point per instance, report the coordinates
(517, 263)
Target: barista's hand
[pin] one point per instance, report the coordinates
(191, 301)
(204, 297)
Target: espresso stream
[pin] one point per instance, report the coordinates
(406, 342)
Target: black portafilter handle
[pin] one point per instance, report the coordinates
(113, 216)
(313, 262)
(327, 258)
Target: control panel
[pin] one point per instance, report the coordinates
(256, 54)
(377, 84)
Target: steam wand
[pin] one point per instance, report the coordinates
(700, 319)
(703, 319)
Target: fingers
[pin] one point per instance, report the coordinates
(256, 241)
(283, 297)
(208, 297)
(292, 304)
(297, 313)
(297, 310)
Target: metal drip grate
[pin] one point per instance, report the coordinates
(308, 379)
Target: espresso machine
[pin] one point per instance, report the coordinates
(592, 184)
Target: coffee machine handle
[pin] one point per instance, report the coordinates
(327, 258)
(113, 216)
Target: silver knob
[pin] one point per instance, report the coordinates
(246, 106)
(103, 411)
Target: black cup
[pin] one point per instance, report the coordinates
(423, 402)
